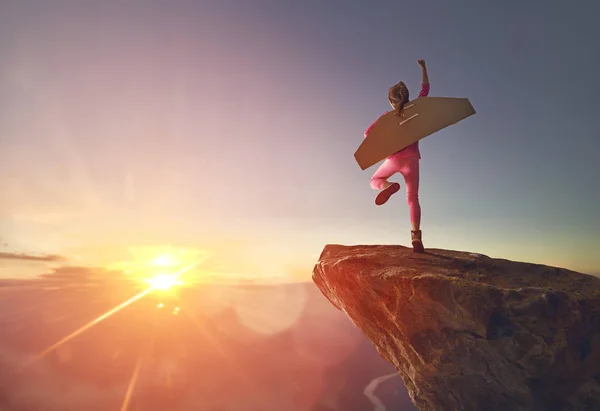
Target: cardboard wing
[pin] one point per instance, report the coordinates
(422, 117)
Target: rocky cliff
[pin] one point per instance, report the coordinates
(469, 332)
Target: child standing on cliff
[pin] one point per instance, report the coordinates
(405, 162)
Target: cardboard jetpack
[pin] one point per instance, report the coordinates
(422, 117)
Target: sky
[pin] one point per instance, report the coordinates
(231, 127)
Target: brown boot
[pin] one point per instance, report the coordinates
(416, 241)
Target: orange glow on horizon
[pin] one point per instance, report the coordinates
(104, 316)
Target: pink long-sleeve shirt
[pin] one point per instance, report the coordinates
(413, 149)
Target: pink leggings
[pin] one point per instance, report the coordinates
(409, 168)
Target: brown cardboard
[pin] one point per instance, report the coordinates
(422, 117)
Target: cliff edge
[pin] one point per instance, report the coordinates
(469, 332)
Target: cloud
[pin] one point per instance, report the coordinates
(30, 257)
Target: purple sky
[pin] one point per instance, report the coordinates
(232, 126)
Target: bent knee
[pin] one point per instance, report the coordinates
(376, 183)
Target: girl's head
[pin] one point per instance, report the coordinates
(398, 96)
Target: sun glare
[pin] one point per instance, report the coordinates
(163, 282)
(161, 267)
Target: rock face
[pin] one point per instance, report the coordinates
(469, 332)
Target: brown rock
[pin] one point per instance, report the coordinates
(469, 332)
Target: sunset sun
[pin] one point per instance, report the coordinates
(163, 282)
(162, 268)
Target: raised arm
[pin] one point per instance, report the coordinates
(425, 79)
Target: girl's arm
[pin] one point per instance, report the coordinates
(425, 79)
(424, 71)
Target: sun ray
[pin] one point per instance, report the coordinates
(90, 324)
(104, 316)
(132, 383)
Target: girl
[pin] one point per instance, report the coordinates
(405, 162)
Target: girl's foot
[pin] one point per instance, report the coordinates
(385, 194)
(416, 241)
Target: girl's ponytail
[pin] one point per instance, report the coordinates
(398, 96)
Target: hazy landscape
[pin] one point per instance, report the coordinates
(207, 347)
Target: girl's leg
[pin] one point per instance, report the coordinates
(385, 171)
(379, 181)
(410, 171)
